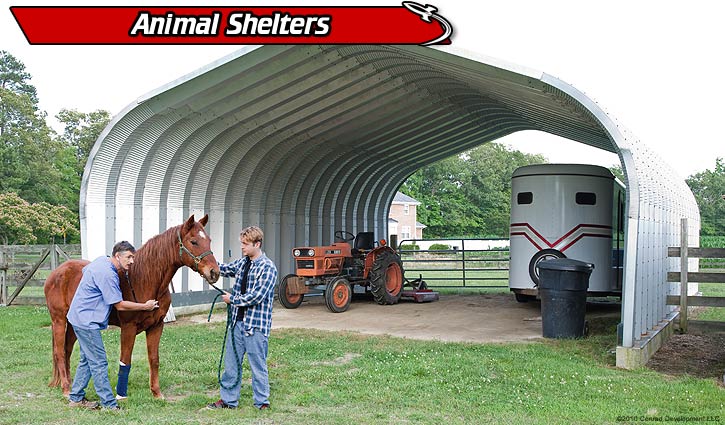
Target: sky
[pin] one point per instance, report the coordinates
(655, 66)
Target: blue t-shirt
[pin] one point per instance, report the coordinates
(98, 291)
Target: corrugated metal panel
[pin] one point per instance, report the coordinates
(306, 140)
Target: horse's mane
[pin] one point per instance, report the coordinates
(154, 258)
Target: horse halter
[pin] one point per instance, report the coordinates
(182, 248)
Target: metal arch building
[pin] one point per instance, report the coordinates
(304, 140)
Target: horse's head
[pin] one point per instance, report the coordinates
(195, 249)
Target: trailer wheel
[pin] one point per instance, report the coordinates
(338, 295)
(285, 298)
(543, 255)
(386, 278)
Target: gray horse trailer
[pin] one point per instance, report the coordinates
(566, 211)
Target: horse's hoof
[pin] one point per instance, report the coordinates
(159, 396)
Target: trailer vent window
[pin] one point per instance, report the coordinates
(586, 198)
(524, 198)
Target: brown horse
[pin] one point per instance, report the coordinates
(154, 266)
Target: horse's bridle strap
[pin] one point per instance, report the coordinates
(182, 249)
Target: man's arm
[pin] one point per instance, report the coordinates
(230, 269)
(132, 306)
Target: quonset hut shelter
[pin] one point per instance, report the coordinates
(306, 140)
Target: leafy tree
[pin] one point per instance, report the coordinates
(709, 190)
(14, 78)
(618, 173)
(81, 132)
(55, 222)
(16, 217)
(489, 187)
(30, 159)
(22, 222)
(468, 195)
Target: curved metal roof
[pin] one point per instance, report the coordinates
(306, 140)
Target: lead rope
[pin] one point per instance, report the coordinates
(227, 331)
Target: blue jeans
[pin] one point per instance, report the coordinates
(93, 363)
(256, 348)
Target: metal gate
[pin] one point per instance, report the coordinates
(457, 263)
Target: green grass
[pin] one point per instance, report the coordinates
(716, 314)
(326, 377)
(28, 291)
(454, 278)
(712, 242)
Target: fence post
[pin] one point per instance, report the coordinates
(3, 281)
(53, 256)
(684, 269)
(463, 260)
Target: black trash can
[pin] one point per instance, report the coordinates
(563, 285)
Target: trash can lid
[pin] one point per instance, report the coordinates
(566, 264)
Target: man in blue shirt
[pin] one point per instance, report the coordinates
(250, 321)
(88, 314)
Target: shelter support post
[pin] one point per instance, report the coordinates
(684, 269)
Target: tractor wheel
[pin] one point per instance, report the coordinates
(285, 298)
(386, 278)
(338, 295)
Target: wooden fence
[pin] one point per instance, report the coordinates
(684, 300)
(24, 266)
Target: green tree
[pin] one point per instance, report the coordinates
(437, 187)
(30, 159)
(14, 78)
(709, 190)
(81, 130)
(489, 187)
(468, 195)
(618, 173)
(16, 218)
(79, 135)
(22, 222)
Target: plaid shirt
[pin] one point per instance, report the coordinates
(259, 296)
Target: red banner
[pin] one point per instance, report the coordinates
(411, 23)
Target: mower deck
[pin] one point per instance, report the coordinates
(420, 296)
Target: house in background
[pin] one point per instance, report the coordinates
(403, 216)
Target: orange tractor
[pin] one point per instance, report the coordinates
(338, 270)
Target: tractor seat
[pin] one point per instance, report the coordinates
(364, 241)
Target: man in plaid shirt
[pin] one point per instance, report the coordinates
(251, 320)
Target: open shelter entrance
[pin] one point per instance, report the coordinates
(306, 140)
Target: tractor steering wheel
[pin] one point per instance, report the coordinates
(344, 236)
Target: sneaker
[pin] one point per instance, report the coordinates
(121, 397)
(84, 403)
(219, 404)
(115, 408)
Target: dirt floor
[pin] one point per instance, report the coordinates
(466, 318)
(702, 356)
(494, 318)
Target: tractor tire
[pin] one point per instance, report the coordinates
(386, 278)
(338, 295)
(285, 298)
